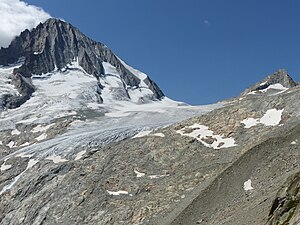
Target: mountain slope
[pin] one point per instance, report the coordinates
(224, 167)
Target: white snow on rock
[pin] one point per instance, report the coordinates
(117, 193)
(142, 134)
(250, 122)
(25, 144)
(247, 185)
(271, 118)
(5, 167)
(30, 164)
(41, 137)
(201, 132)
(113, 85)
(11, 144)
(157, 176)
(274, 87)
(9, 186)
(139, 174)
(110, 69)
(40, 128)
(142, 76)
(159, 135)
(278, 87)
(56, 159)
(15, 132)
(294, 142)
(79, 155)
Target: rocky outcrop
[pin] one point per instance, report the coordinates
(286, 206)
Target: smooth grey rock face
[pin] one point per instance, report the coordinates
(55, 44)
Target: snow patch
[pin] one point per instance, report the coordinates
(25, 144)
(142, 134)
(5, 167)
(157, 176)
(271, 118)
(247, 185)
(15, 132)
(30, 164)
(202, 133)
(11, 144)
(250, 122)
(56, 159)
(159, 135)
(139, 174)
(278, 87)
(9, 186)
(110, 69)
(40, 128)
(41, 137)
(117, 193)
(294, 142)
(79, 155)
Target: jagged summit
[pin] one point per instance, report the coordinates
(277, 82)
(55, 44)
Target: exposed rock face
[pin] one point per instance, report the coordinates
(286, 206)
(56, 44)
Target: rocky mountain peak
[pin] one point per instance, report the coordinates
(281, 77)
(276, 82)
(54, 45)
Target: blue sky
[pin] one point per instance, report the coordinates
(198, 51)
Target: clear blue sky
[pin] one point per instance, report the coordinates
(198, 51)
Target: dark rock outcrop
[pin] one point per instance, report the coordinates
(286, 206)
